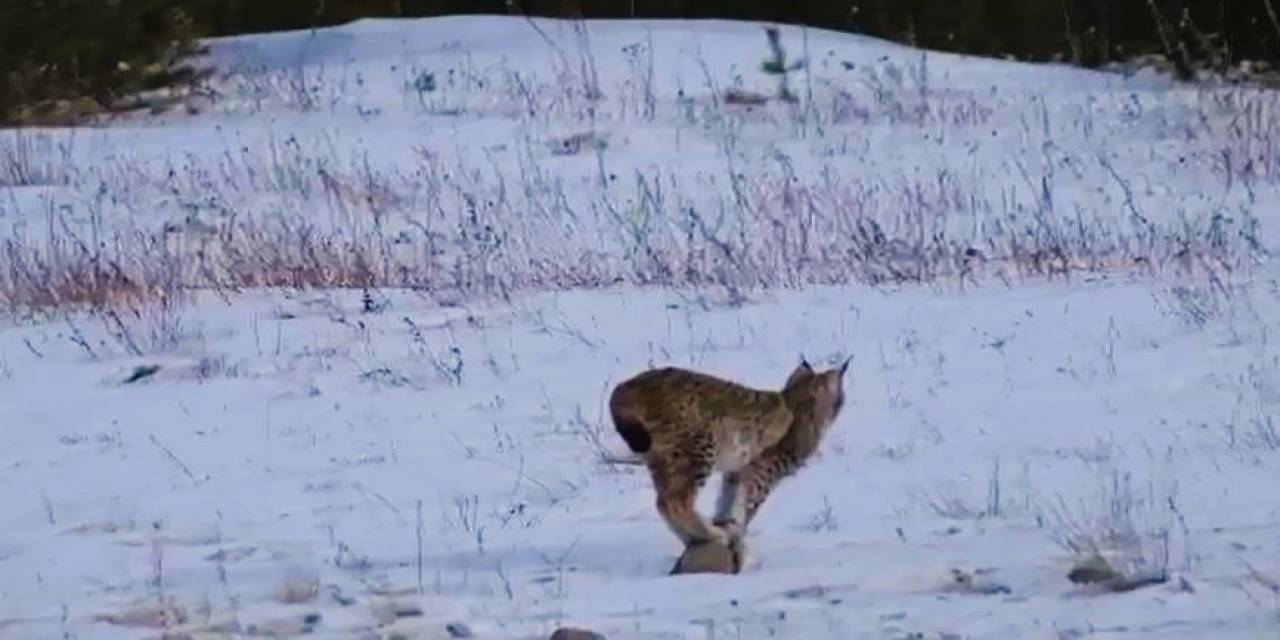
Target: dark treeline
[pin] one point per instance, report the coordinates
(1088, 32)
(52, 51)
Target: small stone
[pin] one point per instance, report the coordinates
(965, 582)
(234, 554)
(815, 591)
(708, 557)
(570, 633)
(408, 611)
(297, 587)
(458, 630)
(1093, 569)
(291, 626)
(141, 372)
(153, 616)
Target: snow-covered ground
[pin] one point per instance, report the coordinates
(573, 203)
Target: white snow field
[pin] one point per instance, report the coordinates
(1055, 285)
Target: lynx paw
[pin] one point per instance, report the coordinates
(731, 528)
(709, 557)
(738, 548)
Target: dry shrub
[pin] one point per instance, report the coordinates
(54, 277)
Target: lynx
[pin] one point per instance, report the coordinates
(684, 424)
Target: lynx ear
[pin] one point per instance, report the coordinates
(845, 365)
(802, 370)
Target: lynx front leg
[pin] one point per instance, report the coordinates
(731, 508)
(761, 476)
(731, 516)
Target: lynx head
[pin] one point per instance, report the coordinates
(817, 394)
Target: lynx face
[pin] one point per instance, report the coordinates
(825, 389)
(815, 398)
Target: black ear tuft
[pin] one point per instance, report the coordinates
(804, 364)
(845, 365)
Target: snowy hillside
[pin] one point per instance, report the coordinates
(1055, 286)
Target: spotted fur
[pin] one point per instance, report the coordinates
(685, 424)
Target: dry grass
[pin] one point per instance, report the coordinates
(298, 214)
(782, 233)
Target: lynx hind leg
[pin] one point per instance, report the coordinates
(677, 479)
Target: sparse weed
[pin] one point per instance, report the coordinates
(1125, 542)
(1265, 434)
(824, 518)
(31, 158)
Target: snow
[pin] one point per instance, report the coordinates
(444, 452)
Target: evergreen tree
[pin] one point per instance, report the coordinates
(101, 50)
